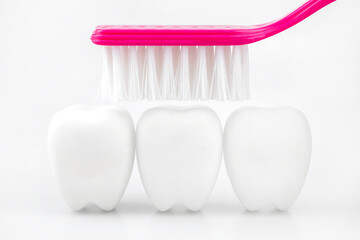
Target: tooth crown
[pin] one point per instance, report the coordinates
(267, 154)
(179, 153)
(91, 151)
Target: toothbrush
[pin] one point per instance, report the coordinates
(184, 62)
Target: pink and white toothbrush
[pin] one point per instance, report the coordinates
(184, 62)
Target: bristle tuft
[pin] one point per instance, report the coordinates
(119, 71)
(167, 73)
(174, 73)
(150, 79)
(182, 80)
(201, 78)
(219, 88)
(134, 88)
(106, 85)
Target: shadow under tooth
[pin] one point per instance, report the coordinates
(133, 75)
(151, 86)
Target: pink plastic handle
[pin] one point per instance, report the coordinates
(127, 35)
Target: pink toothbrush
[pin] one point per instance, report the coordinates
(184, 62)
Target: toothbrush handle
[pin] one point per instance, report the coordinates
(259, 32)
(141, 35)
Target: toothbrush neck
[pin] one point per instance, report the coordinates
(262, 31)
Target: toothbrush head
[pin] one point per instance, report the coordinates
(166, 62)
(197, 35)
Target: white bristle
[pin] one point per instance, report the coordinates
(133, 75)
(236, 80)
(105, 91)
(141, 53)
(192, 68)
(201, 76)
(159, 56)
(119, 68)
(244, 90)
(210, 51)
(239, 85)
(219, 86)
(175, 73)
(182, 80)
(236, 71)
(176, 59)
(150, 80)
(227, 58)
(167, 73)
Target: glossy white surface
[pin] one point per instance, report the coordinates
(179, 151)
(267, 154)
(91, 149)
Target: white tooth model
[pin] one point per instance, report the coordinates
(179, 152)
(267, 154)
(91, 149)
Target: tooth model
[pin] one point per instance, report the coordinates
(179, 152)
(267, 154)
(91, 149)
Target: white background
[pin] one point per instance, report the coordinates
(47, 62)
